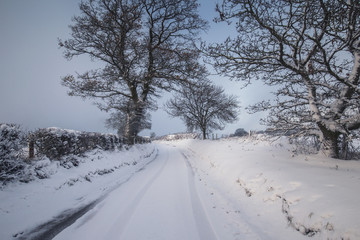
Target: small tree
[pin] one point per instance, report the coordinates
(203, 107)
(240, 132)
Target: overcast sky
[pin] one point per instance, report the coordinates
(31, 65)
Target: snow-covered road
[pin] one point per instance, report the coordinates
(159, 202)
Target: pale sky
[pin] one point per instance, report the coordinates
(31, 65)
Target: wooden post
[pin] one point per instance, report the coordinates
(31, 147)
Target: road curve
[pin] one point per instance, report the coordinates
(160, 202)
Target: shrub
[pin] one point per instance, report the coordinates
(12, 140)
(240, 132)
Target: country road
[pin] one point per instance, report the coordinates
(159, 202)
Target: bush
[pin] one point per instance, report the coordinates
(12, 140)
(240, 132)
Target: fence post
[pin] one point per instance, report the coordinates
(31, 146)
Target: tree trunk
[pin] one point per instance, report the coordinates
(133, 123)
(329, 142)
(204, 133)
(31, 147)
(344, 150)
(132, 129)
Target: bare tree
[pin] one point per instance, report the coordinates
(146, 46)
(308, 50)
(204, 107)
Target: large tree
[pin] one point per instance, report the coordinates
(310, 52)
(146, 46)
(203, 106)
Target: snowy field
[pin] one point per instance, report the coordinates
(279, 195)
(245, 188)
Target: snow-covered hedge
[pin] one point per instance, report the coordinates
(56, 143)
(12, 140)
(16, 163)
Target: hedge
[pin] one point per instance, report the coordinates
(55, 143)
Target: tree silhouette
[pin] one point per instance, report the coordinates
(203, 106)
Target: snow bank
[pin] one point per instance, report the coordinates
(311, 195)
(48, 143)
(69, 185)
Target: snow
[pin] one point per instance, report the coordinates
(277, 192)
(157, 200)
(24, 206)
(239, 188)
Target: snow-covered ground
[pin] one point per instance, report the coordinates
(26, 206)
(278, 194)
(245, 188)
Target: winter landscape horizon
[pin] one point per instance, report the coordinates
(179, 119)
(250, 187)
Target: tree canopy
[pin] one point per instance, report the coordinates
(308, 50)
(146, 46)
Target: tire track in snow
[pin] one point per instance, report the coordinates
(228, 221)
(50, 229)
(160, 202)
(122, 222)
(204, 227)
(174, 205)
